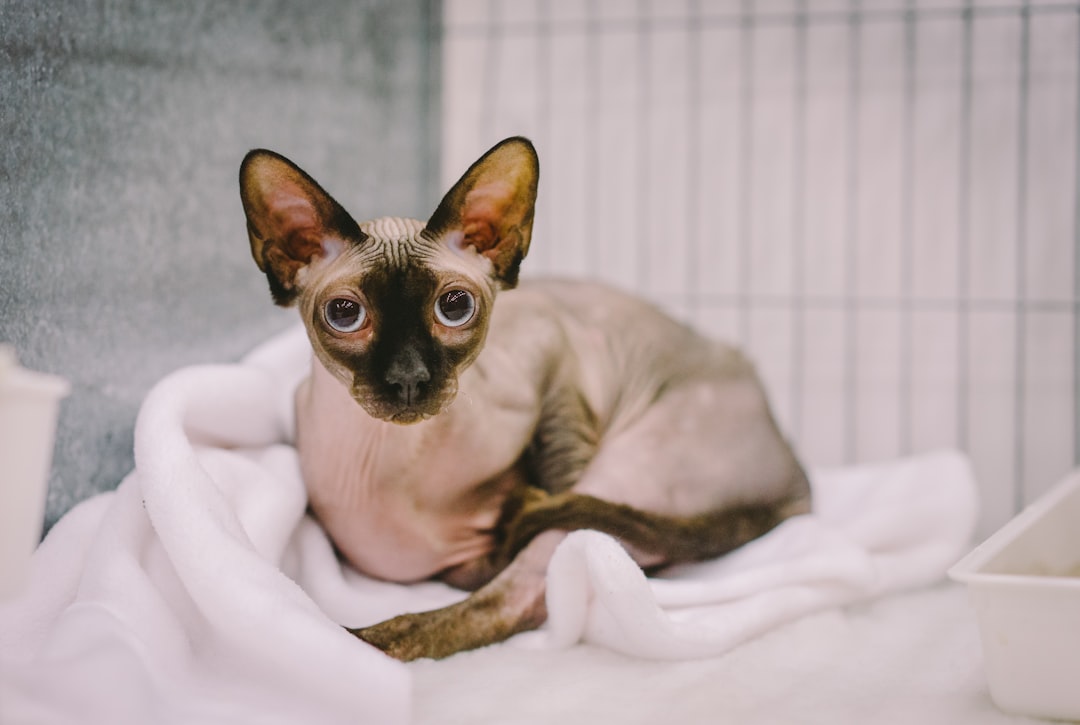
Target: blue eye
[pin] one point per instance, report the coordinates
(345, 315)
(455, 308)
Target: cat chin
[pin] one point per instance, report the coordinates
(404, 415)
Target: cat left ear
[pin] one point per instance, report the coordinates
(492, 206)
(291, 221)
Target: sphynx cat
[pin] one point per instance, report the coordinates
(457, 424)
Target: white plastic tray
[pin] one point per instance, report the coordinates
(1024, 584)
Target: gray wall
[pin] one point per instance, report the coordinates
(123, 253)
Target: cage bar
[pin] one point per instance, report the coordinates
(842, 337)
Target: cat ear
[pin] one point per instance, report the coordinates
(291, 221)
(491, 207)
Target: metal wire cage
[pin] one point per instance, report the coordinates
(878, 199)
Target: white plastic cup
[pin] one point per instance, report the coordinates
(29, 402)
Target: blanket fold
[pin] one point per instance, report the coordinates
(200, 591)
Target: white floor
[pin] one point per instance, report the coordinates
(912, 658)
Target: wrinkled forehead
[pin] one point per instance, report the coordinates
(397, 243)
(396, 253)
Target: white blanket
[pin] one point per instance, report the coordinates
(200, 591)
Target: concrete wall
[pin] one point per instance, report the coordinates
(123, 253)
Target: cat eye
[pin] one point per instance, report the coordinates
(345, 315)
(455, 308)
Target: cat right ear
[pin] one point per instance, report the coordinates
(492, 206)
(291, 221)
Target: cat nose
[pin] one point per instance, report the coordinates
(408, 374)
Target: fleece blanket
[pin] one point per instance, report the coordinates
(201, 591)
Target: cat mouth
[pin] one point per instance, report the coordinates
(409, 417)
(399, 413)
